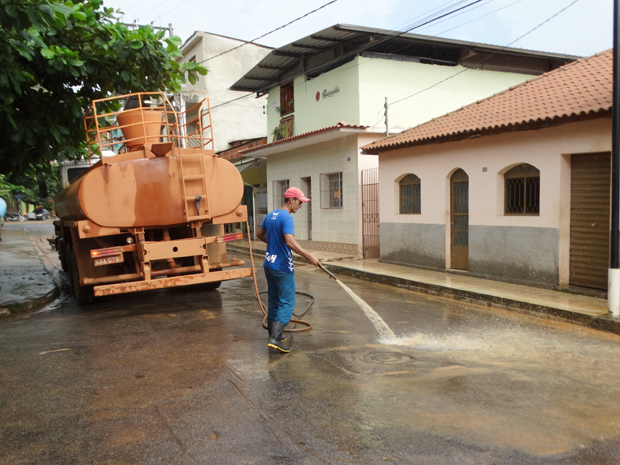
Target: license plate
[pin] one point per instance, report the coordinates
(108, 260)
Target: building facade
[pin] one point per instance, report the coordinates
(515, 187)
(227, 59)
(327, 97)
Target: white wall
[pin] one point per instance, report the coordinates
(548, 150)
(397, 80)
(339, 155)
(243, 119)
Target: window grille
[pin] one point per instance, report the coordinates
(331, 190)
(279, 188)
(410, 201)
(522, 190)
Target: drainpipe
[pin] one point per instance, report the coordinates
(613, 288)
(387, 128)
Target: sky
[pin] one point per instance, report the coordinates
(582, 29)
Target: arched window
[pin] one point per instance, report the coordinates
(410, 201)
(522, 190)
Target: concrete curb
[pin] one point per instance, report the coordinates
(18, 309)
(602, 323)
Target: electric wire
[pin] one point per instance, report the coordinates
(270, 32)
(355, 51)
(486, 58)
(479, 17)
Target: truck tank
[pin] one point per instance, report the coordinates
(153, 214)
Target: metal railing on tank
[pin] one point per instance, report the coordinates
(126, 123)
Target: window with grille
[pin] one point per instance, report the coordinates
(279, 188)
(410, 201)
(522, 190)
(331, 190)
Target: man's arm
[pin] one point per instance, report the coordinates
(261, 234)
(298, 249)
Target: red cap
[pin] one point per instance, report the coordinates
(295, 193)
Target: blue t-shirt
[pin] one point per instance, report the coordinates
(278, 256)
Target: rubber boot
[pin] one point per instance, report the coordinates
(275, 337)
(269, 326)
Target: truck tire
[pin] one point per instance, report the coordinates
(84, 295)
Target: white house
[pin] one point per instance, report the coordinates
(513, 187)
(227, 60)
(326, 97)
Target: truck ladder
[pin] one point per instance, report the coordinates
(194, 187)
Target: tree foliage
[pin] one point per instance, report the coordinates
(35, 190)
(55, 58)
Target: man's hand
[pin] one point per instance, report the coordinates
(312, 259)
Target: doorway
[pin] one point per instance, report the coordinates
(590, 219)
(307, 189)
(459, 220)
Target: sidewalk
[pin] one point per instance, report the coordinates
(25, 283)
(587, 311)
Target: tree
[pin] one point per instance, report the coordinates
(55, 58)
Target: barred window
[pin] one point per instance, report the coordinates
(410, 201)
(331, 190)
(522, 190)
(279, 188)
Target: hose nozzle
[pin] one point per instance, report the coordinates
(327, 271)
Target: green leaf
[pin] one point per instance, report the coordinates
(136, 44)
(47, 53)
(46, 9)
(175, 40)
(60, 8)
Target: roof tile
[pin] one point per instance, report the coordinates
(579, 88)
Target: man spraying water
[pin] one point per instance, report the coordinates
(278, 232)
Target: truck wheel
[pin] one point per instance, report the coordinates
(62, 257)
(84, 295)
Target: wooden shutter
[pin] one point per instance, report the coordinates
(589, 220)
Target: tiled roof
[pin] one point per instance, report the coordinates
(340, 125)
(577, 90)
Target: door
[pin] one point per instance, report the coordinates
(307, 189)
(590, 219)
(370, 213)
(459, 220)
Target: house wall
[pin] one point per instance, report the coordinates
(338, 100)
(355, 93)
(397, 80)
(328, 225)
(532, 249)
(243, 119)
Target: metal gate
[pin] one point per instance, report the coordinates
(370, 213)
(589, 219)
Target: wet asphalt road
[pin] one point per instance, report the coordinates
(183, 377)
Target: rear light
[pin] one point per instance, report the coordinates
(106, 252)
(230, 237)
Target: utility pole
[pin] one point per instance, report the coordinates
(613, 288)
(387, 128)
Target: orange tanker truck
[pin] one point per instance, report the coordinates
(151, 215)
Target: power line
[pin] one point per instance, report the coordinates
(361, 49)
(270, 32)
(486, 58)
(479, 17)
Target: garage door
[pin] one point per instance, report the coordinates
(589, 220)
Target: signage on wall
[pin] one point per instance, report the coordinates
(327, 93)
(274, 105)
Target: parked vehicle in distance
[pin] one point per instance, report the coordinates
(15, 216)
(42, 214)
